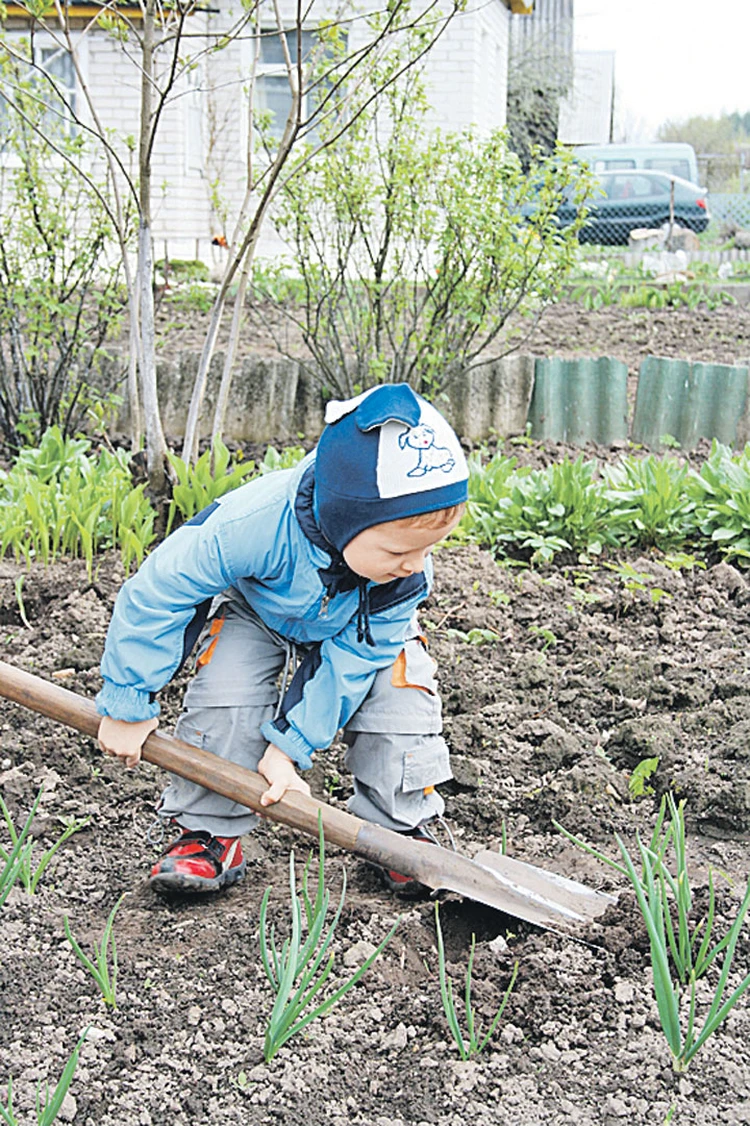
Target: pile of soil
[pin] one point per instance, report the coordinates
(556, 684)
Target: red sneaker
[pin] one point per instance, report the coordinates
(406, 886)
(198, 862)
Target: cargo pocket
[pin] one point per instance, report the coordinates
(188, 731)
(425, 765)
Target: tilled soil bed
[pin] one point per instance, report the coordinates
(583, 675)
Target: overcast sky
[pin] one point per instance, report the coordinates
(673, 58)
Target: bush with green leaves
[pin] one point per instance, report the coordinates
(59, 288)
(682, 948)
(417, 250)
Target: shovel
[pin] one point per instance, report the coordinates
(512, 886)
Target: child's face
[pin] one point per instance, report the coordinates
(394, 550)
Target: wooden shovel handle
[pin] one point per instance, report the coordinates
(226, 778)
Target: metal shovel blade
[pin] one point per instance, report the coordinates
(508, 885)
(514, 887)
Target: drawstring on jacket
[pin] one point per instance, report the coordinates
(363, 614)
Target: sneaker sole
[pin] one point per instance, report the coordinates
(171, 882)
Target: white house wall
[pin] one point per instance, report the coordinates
(466, 73)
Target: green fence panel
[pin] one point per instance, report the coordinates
(579, 401)
(686, 402)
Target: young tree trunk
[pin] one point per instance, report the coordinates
(156, 446)
(242, 251)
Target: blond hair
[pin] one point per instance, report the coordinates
(436, 519)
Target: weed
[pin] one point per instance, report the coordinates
(637, 783)
(547, 636)
(474, 636)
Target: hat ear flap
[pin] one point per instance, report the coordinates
(389, 403)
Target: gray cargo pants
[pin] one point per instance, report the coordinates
(395, 750)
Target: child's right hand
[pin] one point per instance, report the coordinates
(124, 740)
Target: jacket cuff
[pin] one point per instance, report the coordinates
(290, 742)
(129, 704)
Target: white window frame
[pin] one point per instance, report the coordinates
(43, 41)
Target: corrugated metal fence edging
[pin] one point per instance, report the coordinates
(580, 401)
(688, 401)
(574, 401)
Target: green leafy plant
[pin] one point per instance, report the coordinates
(99, 969)
(18, 860)
(547, 636)
(48, 1105)
(638, 780)
(650, 494)
(60, 498)
(476, 636)
(722, 501)
(681, 950)
(637, 582)
(201, 484)
(472, 1043)
(286, 458)
(300, 967)
(542, 512)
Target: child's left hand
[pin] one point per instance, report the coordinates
(278, 770)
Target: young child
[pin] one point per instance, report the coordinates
(316, 571)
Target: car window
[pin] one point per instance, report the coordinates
(635, 186)
(676, 167)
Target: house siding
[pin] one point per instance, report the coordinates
(194, 198)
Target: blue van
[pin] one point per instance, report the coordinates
(673, 157)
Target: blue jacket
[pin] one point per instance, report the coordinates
(263, 541)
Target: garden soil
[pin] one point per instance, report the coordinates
(556, 684)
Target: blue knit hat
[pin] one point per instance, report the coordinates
(382, 456)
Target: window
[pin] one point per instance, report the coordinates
(273, 91)
(52, 80)
(272, 86)
(673, 167)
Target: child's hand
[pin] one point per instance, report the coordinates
(124, 740)
(278, 769)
